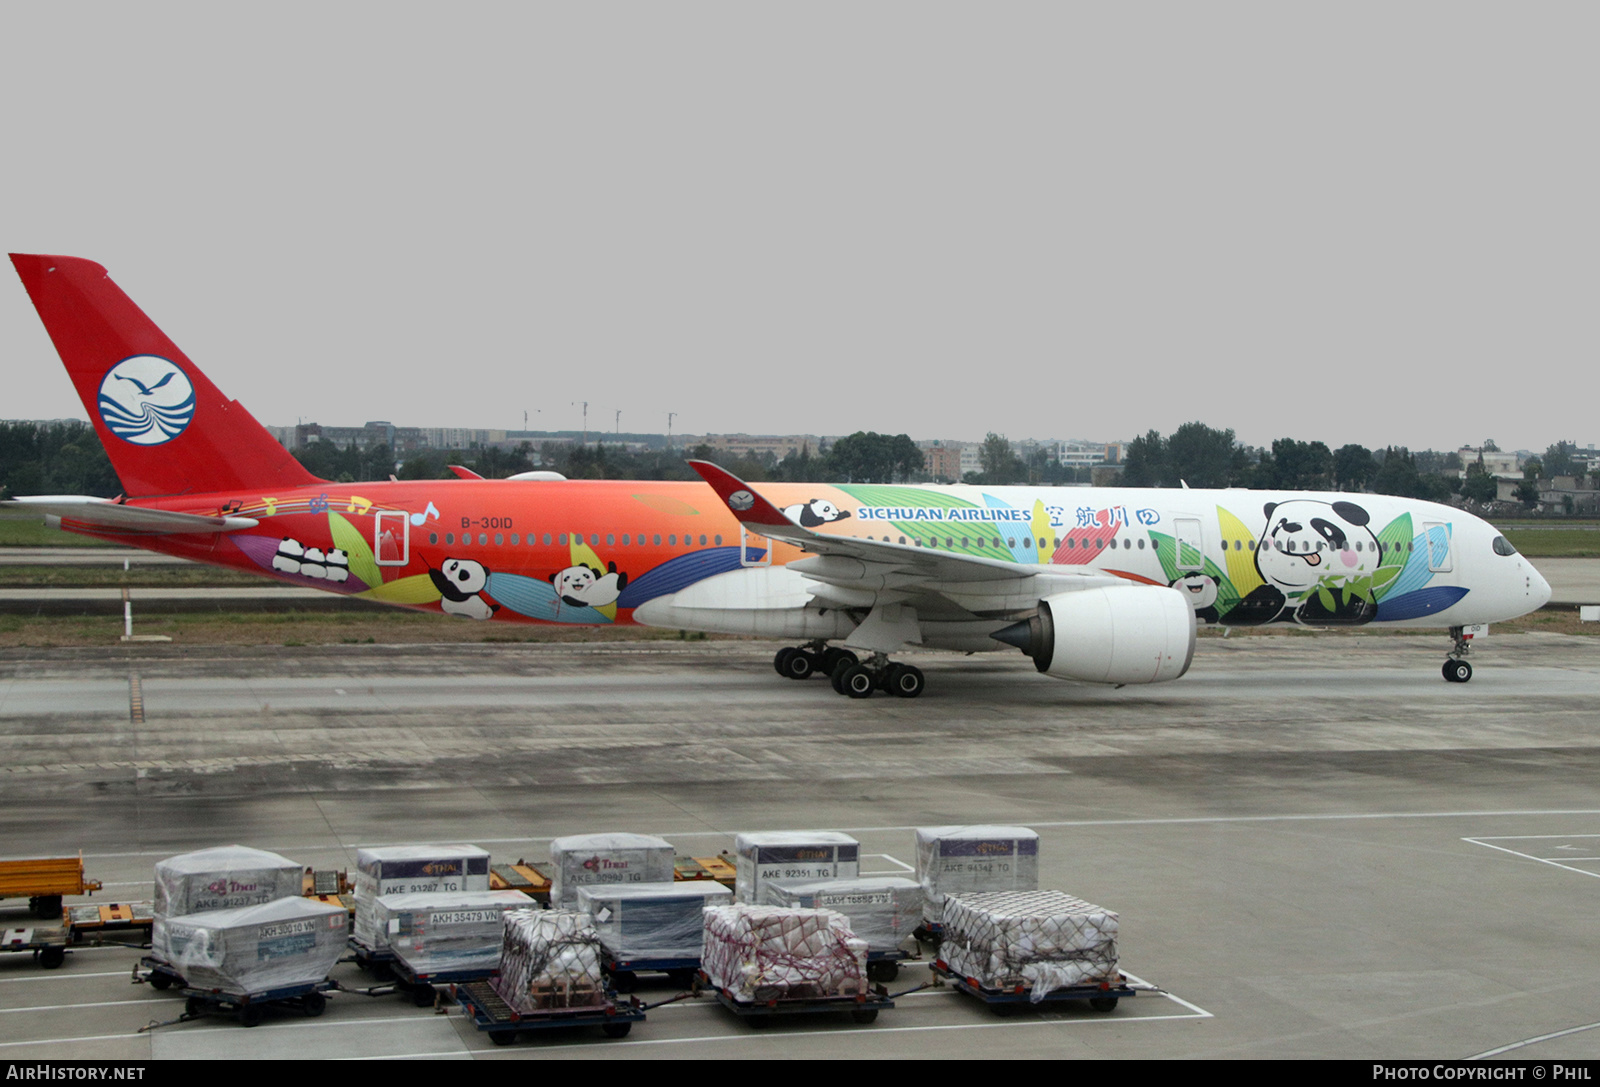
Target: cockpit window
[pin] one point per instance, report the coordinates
(1502, 546)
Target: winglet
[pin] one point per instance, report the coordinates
(748, 506)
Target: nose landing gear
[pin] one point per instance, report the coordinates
(1456, 669)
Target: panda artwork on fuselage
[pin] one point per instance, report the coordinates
(1313, 553)
(1200, 590)
(460, 583)
(818, 511)
(585, 587)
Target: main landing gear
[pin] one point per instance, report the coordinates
(1456, 669)
(848, 674)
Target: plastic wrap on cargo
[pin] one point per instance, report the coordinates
(584, 860)
(442, 932)
(549, 959)
(976, 858)
(883, 910)
(652, 920)
(412, 869)
(792, 855)
(255, 949)
(225, 878)
(1042, 939)
(780, 952)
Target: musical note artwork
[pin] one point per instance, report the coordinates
(359, 505)
(271, 504)
(420, 519)
(318, 504)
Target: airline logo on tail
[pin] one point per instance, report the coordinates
(146, 400)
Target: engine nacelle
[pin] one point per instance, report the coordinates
(1115, 634)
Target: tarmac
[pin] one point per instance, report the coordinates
(1318, 848)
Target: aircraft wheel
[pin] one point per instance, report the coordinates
(781, 658)
(906, 681)
(799, 664)
(857, 682)
(836, 675)
(1456, 671)
(423, 996)
(831, 658)
(883, 971)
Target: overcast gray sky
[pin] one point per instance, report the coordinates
(1362, 222)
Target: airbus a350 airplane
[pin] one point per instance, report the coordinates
(1097, 585)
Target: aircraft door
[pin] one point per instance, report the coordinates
(1191, 547)
(751, 544)
(391, 538)
(1436, 537)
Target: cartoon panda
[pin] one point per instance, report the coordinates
(338, 566)
(585, 587)
(1200, 590)
(1307, 546)
(290, 552)
(460, 581)
(818, 511)
(312, 565)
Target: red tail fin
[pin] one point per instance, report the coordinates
(167, 429)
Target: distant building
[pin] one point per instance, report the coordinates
(942, 459)
(781, 446)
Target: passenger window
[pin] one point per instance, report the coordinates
(1027, 543)
(656, 539)
(561, 539)
(702, 541)
(672, 540)
(499, 539)
(719, 541)
(449, 538)
(483, 539)
(433, 537)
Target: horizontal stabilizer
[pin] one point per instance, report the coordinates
(108, 516)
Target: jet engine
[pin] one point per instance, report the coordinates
(1114, 634)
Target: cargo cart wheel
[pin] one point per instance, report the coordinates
(424, 996)
(683, 978)
(502, 1037)
(624, 981)
(1103, 1003)
(314, 1004)
(250, 1015)
(52, 957)
(864, 1015)
(883, 972)
(194, 1006)
(758, 1022)
(160, 982)
(616, 1030)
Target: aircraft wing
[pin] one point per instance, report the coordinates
(109, 516)
(878, 564)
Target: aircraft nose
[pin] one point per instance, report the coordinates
(1538, 588)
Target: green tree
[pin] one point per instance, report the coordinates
(1203, 456)
(1353, 467)
(1145, 462)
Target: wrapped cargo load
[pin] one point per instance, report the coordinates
(975, 858)
(652, 920)
(549, 959)
(793, 855)
(1042, 939)
(779, 952)
(256, 949)
(412, 869)
(587, 860)
(883, 910)
(439, 932)
(225, 878)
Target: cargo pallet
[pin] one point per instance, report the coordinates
(126, 923)
(490, 1013)
(1102, 997)
(862, 1007)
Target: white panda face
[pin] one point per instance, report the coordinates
(1306, 542)
(467, 576)
(1199, 589)
(574, 580)
(824, 510)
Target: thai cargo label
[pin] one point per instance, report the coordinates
(285, 940)
(989, 847)
(805, 854)
(466, 917)
(432, 868)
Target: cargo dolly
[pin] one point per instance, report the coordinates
(490, 1013)
(379, 962)
(1101, 996)
(308, 999)
(126, 923)
(861, 1007)
(158, 974)
(624, 973)
(48, 943)
(43, 881)
(423, 989)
